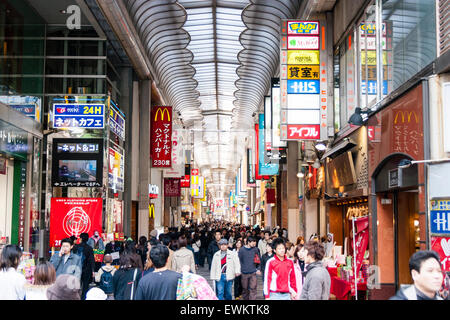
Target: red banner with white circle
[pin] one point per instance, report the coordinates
(74, 216)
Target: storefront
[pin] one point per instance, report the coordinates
(398, 226)
(20, 149)
(346, 199)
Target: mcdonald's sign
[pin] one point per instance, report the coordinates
(161, 137)
(401, 115)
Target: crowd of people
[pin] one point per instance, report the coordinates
(152, 269)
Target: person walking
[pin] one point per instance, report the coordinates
(12, 283)
(213, 247)
(225, 267)
(279, 278)
(317, 281)
(238, 280)
(86, 253)
(126, 279)
(66, 262)
(105, 275)
(262, 244)
(250, 267)
(44, 278)
(266, 257)
(203, 248)
(196, 245)
(141, 249)
(183, 256)
(96, 242)
(299, 266)
(426, 272)
(162, 283)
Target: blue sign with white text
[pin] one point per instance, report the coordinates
(372, 87)
(89, 116)
(440, 217)
(303, 87)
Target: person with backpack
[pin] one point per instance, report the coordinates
(104, 277)
(126, 279)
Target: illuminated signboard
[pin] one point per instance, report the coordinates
(307, 57)
(303, 43)
(117, 122)
(71, 116)
(299, 72)
(303, 81)
(303, 27)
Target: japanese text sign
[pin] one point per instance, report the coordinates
(161, 137)
(69, 116)
(117, 123)
(440, 217)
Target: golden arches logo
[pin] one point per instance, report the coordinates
(408, 114)
(161, 112)
(151, 210)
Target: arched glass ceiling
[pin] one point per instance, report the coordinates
(214, 60)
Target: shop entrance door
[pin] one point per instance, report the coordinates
(6, 195)
(406, 233)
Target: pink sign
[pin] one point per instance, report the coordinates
(303, 132)
(303, 43)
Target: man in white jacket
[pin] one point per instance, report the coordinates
(225, 266)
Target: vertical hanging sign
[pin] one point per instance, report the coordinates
(303, 81)
(161, 137)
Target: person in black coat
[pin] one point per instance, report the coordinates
(87, 262)
(123, 278)
(213, 247)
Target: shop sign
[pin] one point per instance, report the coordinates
(369, 43)
(114, 218)
(303, 27)
(370, 73)
(303, 43)
(116, 123)
(219, 203)
(74, 216)
(369, 28)
(370, 58)
(393, 178)
(186, 182)
(442, 246)
(305, 116)
(178, 166)
(308, 101)
(172, 187)
(13, 141)
(116, 168)
(299, 72)
(194, 172)
(71, 116)
(27, 105)
(161, 137)
(303, 87)
(22, 201)
(81, 148)
(269, 168)
(440, 217)
(372, 87)
(153, 191)
(303, 132)
(303, 57)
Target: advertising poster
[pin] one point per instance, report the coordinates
(161, 137)
(442, 246)
(74, 216)
(114, 218)
(116, 168)
(117, 123)
(172, 187)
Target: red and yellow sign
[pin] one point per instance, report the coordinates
(161, 137)
(299, 72)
